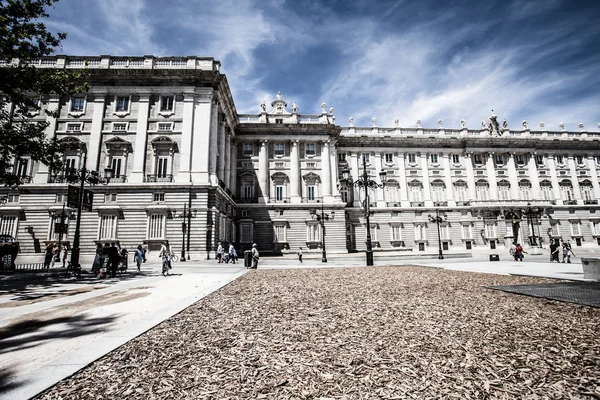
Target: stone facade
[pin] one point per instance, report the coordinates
(169, 130)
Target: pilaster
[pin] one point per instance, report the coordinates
(402, 177)
(448, 180)
(93, 155)
(426, 183)
(263, 170)
(536, 191)
(295, 172)
(326, 171)
(512, 177)
(468, 162)
(53, 104)
(491, 175)
(574, 179)
(594, 173)
(201, 139)
(554, 178)
(185, 152)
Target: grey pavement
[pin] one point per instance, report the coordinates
(50, 328)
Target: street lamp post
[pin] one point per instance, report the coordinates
(366, 183)
(437, 219)
(83, 176)
(322, 218)
(532, 212)
(186, 217)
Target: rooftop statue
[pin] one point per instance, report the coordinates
(263, 106)
(525, 127)
(294, 107)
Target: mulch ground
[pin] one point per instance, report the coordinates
(357, 333)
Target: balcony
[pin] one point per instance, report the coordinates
(248, 200)
(590, 202)
(58, 179)
(510, 203)
(118, 179)
(417, 204)
(279, 200)
(392, 204)
(463, 203)
(570, 202)
(159, 178)
(312, 200)
(440, 203)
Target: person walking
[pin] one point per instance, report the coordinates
(300, 255)
(220, 253)
(231, 253)
(566, 247)
(48, 256)
(113, 260)
(255, 256)
(98, 261)
(554, 252)
(139, 257)
(513, 251)
(519, 252)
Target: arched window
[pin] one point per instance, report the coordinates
(116, 156)
(312, 185)
(415, 189)
(504, 190)
(391, 191)
(163, 153)
(587, 191)
(525, 189)
(566, 190)
(546, 188)
(438, 190)
(461, 191)
(482, 189)
(280, 184)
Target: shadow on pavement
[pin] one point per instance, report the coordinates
(32, 332)
(36, 286)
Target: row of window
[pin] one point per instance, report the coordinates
(279, 149)
(313, 231)
(478, 159)
(73, 127)
(122, 104)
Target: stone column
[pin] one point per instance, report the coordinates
(263, 170)
(295, 172)
(214, 142)
(554, 178)
(227, 159)
(574, 179)
(426, 183)
(335, 175)
(94, 148)
(185, 152)
(448, 180)
(402, 178)
(379, 199)
(536, 191)
(201, 140)
(468, 162)
(222, 147)
(594, 173)
(326, 171)
(491, 175)
(233, 163)
(512, 177)
(356, 174)
(43, 171)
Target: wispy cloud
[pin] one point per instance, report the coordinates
(388, 59)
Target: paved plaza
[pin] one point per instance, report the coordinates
(51, 326)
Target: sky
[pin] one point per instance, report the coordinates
(425, 60)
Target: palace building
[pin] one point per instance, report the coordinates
(187, 167)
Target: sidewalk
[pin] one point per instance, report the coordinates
(52, 327)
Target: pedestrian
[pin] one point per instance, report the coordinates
(144, 253)
(113, 260)
(65, 255)
(48, 256)
(98, 261)
(300, 255)
(231, 253)
(566, 246)
(55, 255)
(554, 252)
(513, 251)
(519, 252)
(139, 257)
(220, 253)
(255, 257)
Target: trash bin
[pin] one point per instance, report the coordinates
(591, 268)
(494, 257)
(247, 258)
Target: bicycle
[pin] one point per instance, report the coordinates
(174, 257)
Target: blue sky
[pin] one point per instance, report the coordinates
(428, 60)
